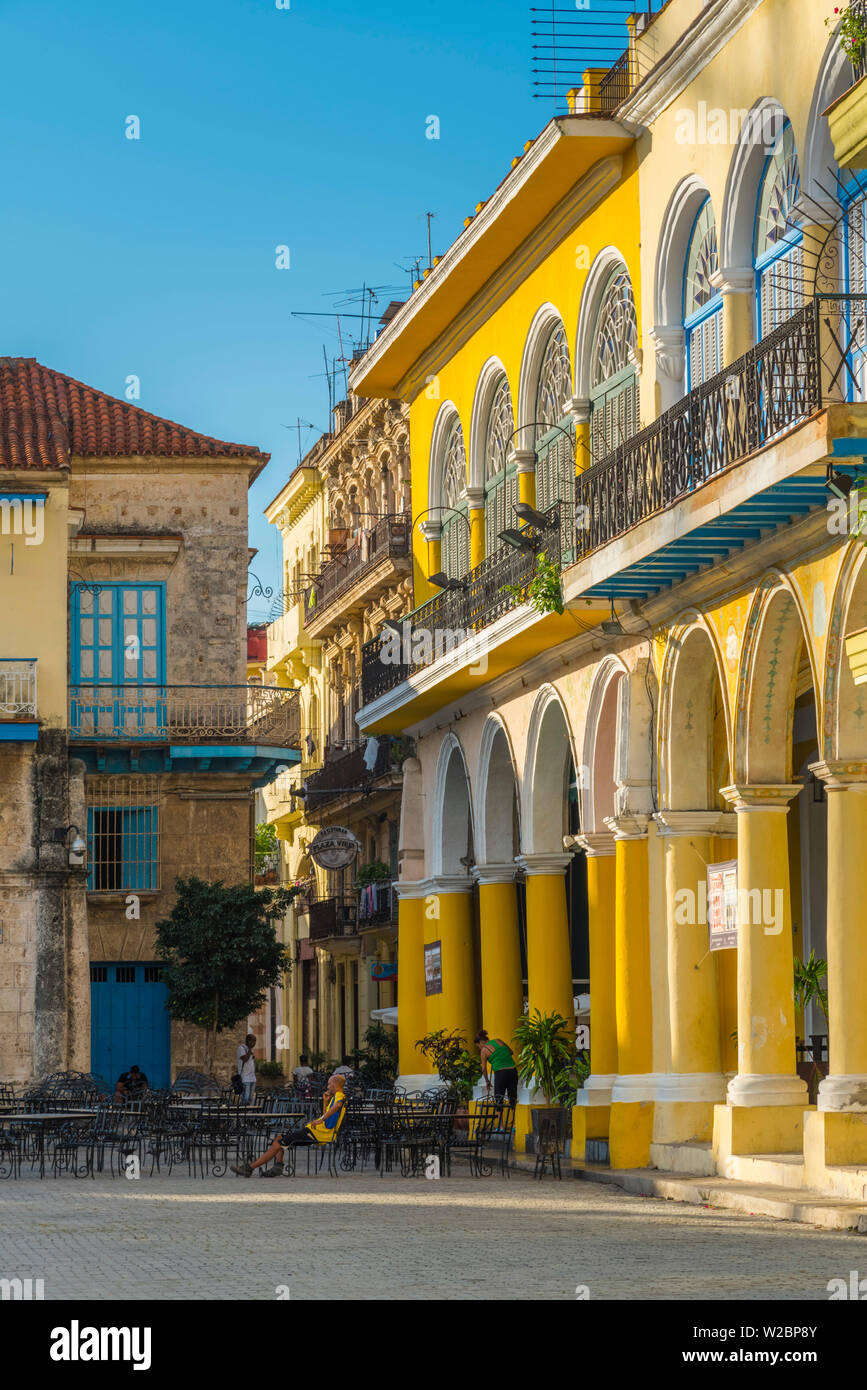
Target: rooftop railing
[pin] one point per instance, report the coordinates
(242, 714)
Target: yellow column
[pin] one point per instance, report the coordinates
(591, 1115)
(837, 1134)
(580, 412)
(695, 1083)
(448, 912)
(432, 531)
(500, 947)
(526, 461)
(476, 500)
(766, 1099)
(549, 948)
(411, 1000)
(738, 288)
(632, 1098)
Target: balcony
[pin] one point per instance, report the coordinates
(333, 919)
(345, 773)
(377, 906)
(452, 616)
(356, 578)
(810, 363)
(18, 699)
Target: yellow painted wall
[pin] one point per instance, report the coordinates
(33, 614)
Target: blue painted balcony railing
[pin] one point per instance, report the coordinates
(185, 714)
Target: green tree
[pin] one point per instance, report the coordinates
(220, 953)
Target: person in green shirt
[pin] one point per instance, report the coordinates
(498, 1057)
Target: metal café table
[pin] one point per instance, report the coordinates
(43, 1119)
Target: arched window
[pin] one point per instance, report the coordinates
(555, 428)
(854, 234)
(779, 250)
(613, 378)
(455, 531)
(501, 476)
(702, 303)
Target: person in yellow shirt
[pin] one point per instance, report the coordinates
(322, 1130)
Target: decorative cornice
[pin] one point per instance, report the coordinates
(682, 823)
(595, 845)
(485, 874)
(450, 883)
(535, 865)
(734, 280)
(669, 344)
(841, 775)
(628, 827)
(770, 797)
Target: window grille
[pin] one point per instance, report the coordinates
(455, 547)
(124, 974)
(614, 383)
(99, 974)
(501, 479)
(123, 834)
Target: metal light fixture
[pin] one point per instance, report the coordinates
(391, 625)
(612, 627)
(442, 581)
(533, 518)
(78, 848)
(839, 483)
(519, 540)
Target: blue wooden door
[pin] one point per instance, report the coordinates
(129, 1021)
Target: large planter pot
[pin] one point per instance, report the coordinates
(562, 1120)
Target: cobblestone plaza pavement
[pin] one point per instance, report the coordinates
(362, 1237)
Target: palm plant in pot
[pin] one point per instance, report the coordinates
(458, 1068)
(548, 1062)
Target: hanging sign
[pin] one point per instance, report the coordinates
(334, 848)
(433, 967)
(722, 905)
(383, 970)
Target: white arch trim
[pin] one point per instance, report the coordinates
(545, 320)
(447, 416)
(492, 727)
(490, 374)
(609, 669)
(449, 748)
(677, 223)
(608, 260)
(547, 697)
(736, 225)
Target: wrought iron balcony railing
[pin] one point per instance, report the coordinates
(17, 689)
(388, 539)
(798, 369)
(377, 905)
(344, 770)
(242, 714)
(492, 589)
(333, 917)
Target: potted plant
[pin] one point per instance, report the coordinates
(853, 30)
(457, 1067)
(269, 1074)
(811, 982)
(548, 1062)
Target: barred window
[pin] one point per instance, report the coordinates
(501, 479)
(555, 382)
(779, 250)
(455, 547)
(122, 834)
(614, 383)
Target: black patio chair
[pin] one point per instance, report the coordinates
(549, 1147)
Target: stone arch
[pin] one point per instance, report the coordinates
(452, 827)
(694, 749)
(775, 634)
(597, 774)
(498, 807)
(832, 80)
(606, 261)
(737, 220)
(669, 335)
(844, 726)
(489, 377)
(548, 763)
(545, 320)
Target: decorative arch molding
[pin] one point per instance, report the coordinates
(772, 587)
(851, 574)
(690, 622)
(446, 418)
(449, 748)
(677, 222)
(736, 228)
(530, 799)
(611, 668)
(833, 79)
(488, 847)
(608, 260)
(492, 372)
(545, 320)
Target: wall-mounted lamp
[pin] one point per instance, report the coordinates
(533, 518)
(78, 848)
(442, 581)
(518, 540)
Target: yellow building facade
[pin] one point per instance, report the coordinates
(636, 393)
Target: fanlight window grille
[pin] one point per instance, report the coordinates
(555, 382)
(702, 303)
(614, 383)
(501, 479)
(779, 250)
(455, 532)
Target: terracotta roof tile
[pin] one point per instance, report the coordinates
(46, 417)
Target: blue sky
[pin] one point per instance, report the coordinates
(259, 127)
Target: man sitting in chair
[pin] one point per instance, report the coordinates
(320, 1131)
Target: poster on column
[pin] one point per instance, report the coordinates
(433, 967)
(722, 905)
